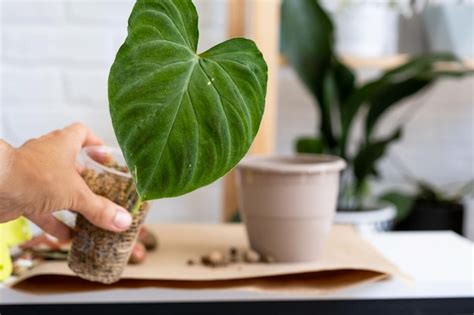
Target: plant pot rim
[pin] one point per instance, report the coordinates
(293, 164)
(86, 152)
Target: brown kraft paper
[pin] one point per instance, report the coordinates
(348, 260)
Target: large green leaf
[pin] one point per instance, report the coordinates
(182, 119)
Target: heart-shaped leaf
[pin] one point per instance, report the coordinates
(182, 119)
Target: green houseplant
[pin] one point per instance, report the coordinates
(429, 207)
(183, 119)
(308, 43)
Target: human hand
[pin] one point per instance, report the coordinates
(42, 177)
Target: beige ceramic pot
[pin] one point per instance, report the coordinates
(288, 203)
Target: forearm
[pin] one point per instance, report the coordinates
(6, 157)
(6, 162)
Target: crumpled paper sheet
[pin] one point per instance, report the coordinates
(348, 260)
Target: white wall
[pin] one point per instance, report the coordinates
(54, 66)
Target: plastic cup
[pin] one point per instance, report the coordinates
(97, 254)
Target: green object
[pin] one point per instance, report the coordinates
(363, 163)
(425, 192)
(309, 145)
(182, 119)
(453, 195)
(308, 42)
(403, 203)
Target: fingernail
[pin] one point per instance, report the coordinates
(122, 219)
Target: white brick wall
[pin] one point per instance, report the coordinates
(31, 86)
(28, 12)
(85, 87)
(101, 12)
(55, 58)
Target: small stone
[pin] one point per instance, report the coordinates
(251, 256)
(233, 251)
(191, 262)
(268, 259)
(214, 259)
(205, 260)
(148, 239)
(234, 255)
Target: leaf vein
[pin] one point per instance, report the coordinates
(244, 65)
(171, 128)
(223, 110)
(132, 85)
(182, 22)
(246, 107)
(169, 19)
(196, 159)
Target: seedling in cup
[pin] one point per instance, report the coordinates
(183, 119)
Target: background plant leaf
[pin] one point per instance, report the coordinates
(403, 203)
(387, 96)
(393, 86)
(182, 119)
(307, 35)
(309, 145)
(417, 65)
(369, 154)
(345, 80)
(404, 81)
(307, 41)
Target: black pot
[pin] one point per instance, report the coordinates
(429, 215)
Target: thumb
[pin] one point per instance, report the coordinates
(102, 212)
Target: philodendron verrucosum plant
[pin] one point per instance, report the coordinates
(182, 119)
(308, 42)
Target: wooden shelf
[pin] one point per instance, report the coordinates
(375, 63)
(389, 62)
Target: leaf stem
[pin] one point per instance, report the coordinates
(136, 206)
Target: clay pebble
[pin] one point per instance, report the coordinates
(217, 258)
(251, 256)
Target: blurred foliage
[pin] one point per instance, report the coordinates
(308, 43)
(425, 192)
(403, 202)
